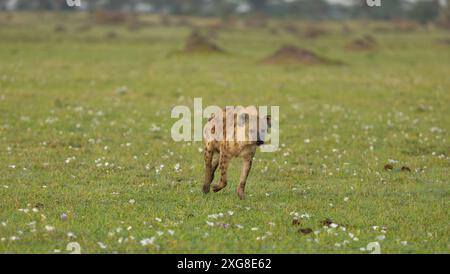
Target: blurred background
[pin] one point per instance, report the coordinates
(86, 95)
(423, 11)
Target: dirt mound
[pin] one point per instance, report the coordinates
(60, 28)
(197, 43)
(289, 54)
(110, 17)
(111, 35)
(443, 41)
(273, 31)
(443, 24)
(365, 43)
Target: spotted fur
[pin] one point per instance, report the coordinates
(219, 152)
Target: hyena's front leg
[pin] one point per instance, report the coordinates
(209, 173)
(224, 161)
(247, 165)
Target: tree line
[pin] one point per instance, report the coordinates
(420, 10)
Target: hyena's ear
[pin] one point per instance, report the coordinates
(269, 121)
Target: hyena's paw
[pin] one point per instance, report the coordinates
(240, 193)
(217, 188)
(206, 189)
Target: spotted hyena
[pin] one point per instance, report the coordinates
(232, 132)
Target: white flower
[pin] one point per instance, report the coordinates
(210, 223)
(380, 238)
(305, 216)
(102, 245)
(436, 130)
(254, 228)
(71, 235)
(49, 228)
(158, 220)
(159, 169)
(171, 232)
(63, 216)
(230, 213)
(147, 241)
(132, 201)
(155, 128)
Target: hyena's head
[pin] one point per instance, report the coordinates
(238, 124)
(256, 127)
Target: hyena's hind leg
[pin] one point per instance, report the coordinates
(247, 165)
(215, 164)
(224, 161)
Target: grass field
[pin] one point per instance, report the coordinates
(82, 162)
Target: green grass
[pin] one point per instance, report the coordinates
(62, 121)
